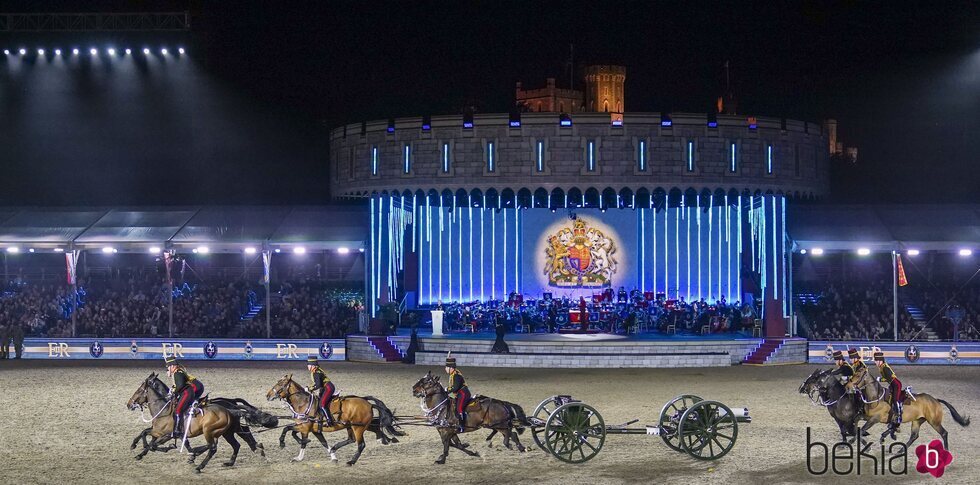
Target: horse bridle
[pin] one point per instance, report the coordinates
(285, 399)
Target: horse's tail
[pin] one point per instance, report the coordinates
(518, 413)
(251, 414)
(962, 421)
(386, 419)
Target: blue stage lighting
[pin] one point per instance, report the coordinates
(515, 124)
(112, 51)
(57, 52)
(6, 52)
(93, 51)
(74, 52)
(23, 52)
(146, 52)
(181, 51)
(40, 52)
(129, 51)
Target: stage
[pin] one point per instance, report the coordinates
(585, 350)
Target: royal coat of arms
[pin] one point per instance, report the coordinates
(580, 257)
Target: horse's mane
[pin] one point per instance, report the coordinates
(158, 387)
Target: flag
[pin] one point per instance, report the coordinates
(71, 261)
(902, 280)
(168, 261)
(266, 263)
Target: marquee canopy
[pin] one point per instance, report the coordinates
(220, 228)
(885, 227)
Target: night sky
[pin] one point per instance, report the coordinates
(245, 119)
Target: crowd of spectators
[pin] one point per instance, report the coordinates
(130, 308)
(859, 311)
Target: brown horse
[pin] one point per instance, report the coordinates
(923, 408)
(352, 413)
(482, 412)
(222, 418)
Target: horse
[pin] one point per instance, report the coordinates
(219, 418)
(353, 413)
(482, 412)
(922, 408)
(846, 408)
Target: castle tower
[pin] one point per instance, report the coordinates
(604, 89)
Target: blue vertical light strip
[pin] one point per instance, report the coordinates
(677, 252)
(442, 212)
(490, 160)
(493, 255)
(449, 247)
(540, 156)
(720, 234)
(408, 158)
(666, 250)
(711, 203)
(445, 157)
(734, 166)
(688, 295)
(690, 155)
(738, 267)
(653, 254)
(415, 225)
(470, 241)
(459, 254)
(591, 156)
(483, 211)
(728, 238)
(504, 211)
(643, 251)
(377, 292)
(374, 160)
(697, 212)
(428, 237)
(517, 248)
(642, 156)
(769, 159)
(783, 256)
(374, 301)
(775, 258)
(762, 250)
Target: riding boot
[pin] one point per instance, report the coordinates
(178, 429)
(328, 416)
(462, 422)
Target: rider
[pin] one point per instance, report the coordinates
(458, 391)
(857, 363)
(894, 395)
(321, 383)
(186, 389)
(843, 368)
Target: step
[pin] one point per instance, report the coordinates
(385, 349)
(761, 354)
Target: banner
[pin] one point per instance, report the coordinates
(902, 280)
(266, 265)
(187, 349)
(71, 261)
(930, 353)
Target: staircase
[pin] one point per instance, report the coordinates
(385, 349)
(761, 355)
(253, 312)
(919, 317)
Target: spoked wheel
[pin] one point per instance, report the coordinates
(670, 416)
(574, 433)
(708, 430)
(538, 419)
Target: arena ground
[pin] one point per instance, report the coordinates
(67, 423)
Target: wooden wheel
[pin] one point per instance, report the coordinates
(670, 417)
(708, 430)
(575, 433)
(538, 419)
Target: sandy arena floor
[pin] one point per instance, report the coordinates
(67, 423)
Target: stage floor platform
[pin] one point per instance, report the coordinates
(582, 350)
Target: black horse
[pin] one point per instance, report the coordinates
(846, 408)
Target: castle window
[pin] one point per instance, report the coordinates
(374, 160)
(769, 159)
(690, 155)
(539, 156)
(641, 156)
(590, 156)
(733, 157)
(408, 158)
(445, 158)
(491, 156)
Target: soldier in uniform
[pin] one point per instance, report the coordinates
(17, 334)
(186, 389)
(322, 385)
(860, 368)
(458, 391)
(4, 345)
(894, 396)
(843, 368)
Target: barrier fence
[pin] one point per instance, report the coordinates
(189, 349)
(917, 353)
